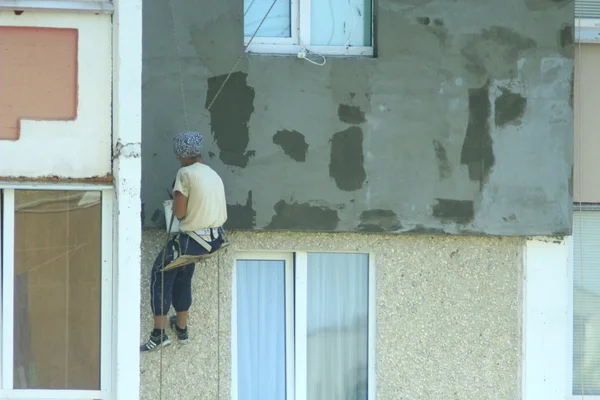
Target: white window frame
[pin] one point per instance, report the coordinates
(571, 308)
(58, 5)
(300, 37)
(548, 319)
(296, 268)
(7, 296)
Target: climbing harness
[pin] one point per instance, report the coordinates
(185, 259)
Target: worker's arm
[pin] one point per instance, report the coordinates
(181, 191)
(180, 204)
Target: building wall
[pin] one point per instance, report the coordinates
(55, 75)
(448, 315)
(587, 122)
(463, 122)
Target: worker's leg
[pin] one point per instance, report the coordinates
(182, 300)
(182, 293)
(161, 290)
(161, 293)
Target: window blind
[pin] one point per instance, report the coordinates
(586, 303)
(587, 8)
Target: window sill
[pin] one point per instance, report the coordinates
(97, 7)
(293, 50)
(587, 30)
(52, 394)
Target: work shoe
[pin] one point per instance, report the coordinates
(182, 334)
(155, 342)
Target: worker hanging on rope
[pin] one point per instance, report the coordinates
(199, 205)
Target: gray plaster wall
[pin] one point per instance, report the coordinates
(448, 316)
(461, 124)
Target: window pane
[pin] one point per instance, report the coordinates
(57, 290)
(341, 23)
(277, 23)
(261, 329)
(337, 325)
(586, 303)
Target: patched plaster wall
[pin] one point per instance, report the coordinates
(463, 122)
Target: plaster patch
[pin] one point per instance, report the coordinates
(351, 114)
(509, 108)
(379, 221)
(459, 211)
(347, 159)
(565, 40)
(477, 153)
(293, 144)
(229, 117)
(303, 216)
(494, 52)
(241, 216)
(444, 169)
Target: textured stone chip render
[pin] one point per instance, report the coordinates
(448, 315)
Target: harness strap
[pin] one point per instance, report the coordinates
(198, 239)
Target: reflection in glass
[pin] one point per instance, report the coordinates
(340, 23)
(57, 290)
(277, 23)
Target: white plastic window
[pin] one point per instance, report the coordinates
(55, 320)
(332, 27)
(586, 304)
(292, 311)
(95, 6)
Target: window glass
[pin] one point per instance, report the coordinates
(337, 325)
(586, 303)
(277, 23)
(57, 290)
(340, 23)
(261, 329)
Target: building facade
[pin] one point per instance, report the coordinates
(412, 198)
(401, 179)
(70, 129)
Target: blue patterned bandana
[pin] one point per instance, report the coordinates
(187, 144)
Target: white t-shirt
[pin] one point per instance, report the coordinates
(206, 206)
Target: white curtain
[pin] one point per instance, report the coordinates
(261, 329)
(336, 335)
(337, 322)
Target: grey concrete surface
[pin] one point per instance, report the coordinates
(448, 316)
(461, 124)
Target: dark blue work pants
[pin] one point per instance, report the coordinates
(177, 286)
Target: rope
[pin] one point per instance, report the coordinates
(174, 32)
(184, 103)
(241, 56)
(218, 326)
(162, 298)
